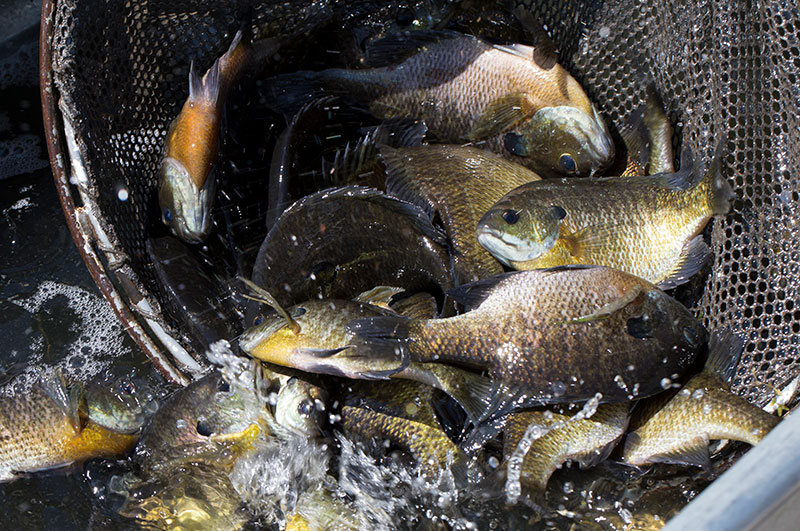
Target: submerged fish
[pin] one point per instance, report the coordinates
(320, 343)
(550, 336)
(338, 243)
(402, 413)
(122, 406)
(44, 429)
(208, 421)
(186, 176)
(588, 441)
(465, 89)
(459, 183)
(194, 496)
(647, 226)
(704, 409)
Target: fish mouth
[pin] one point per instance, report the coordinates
(190, 206)
(253, 337)
(507, 248)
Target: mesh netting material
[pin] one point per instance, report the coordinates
(721, 67)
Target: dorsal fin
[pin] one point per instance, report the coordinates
(473, 294)
(544, 49)
(393, 48)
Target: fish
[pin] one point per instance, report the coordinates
(300, 407)
(122, 406)
(648, 138)
(322, 343)
(649, 226)
(467, 90)
(192, 295)
(44, 428)
(186, 180)
(459, 184)
(193, 496)
(402, 413)
(341, 242)
(704, 409)
(208, 421)
(556, 335)
(588, 441)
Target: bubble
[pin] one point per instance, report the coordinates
(568, 488)
(122, 194)
(559, 389)
(698, 394)
(666, 383)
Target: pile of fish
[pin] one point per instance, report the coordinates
(475, 280)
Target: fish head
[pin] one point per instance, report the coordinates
(563, 140)
(121, 406)
(272, 339)
(656, 316)
(300, 407)
(185, 208)
(514, 230)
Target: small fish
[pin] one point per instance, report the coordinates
(300, 407)
(465, 89)
(549, 336)
(402, 413)
(648, 226)
(193, 496)
(208, 421)
(344, 241)
(186, 179)
(459, 183)
(44, 428)
(122, 406)
(588, 441)
(322, 345)
(703, 410)
(648, 138)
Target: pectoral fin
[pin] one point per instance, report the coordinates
(591, 243)
(501, 115)
(609, 309)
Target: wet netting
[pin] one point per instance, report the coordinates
(722, 68)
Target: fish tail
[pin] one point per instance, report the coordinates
(204, 90)
(714, 185)
(724, 351)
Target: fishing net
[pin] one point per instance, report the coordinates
(117, 76)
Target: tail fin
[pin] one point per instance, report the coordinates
(724, 351)
(715, 185)
(204, 90)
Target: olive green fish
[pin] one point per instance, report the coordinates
(46, 427)
(401, 412)
(550, 336)
(465, 89)
(338, 243)
(300, 407)
(459, 183)
(320, 343)
(704, 409)
(647, 226)
(588, 441)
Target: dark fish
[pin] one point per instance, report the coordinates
(704, 409)
(459, 183)
(194, 297)
(647, 226)
(339, 243)
(550, 336)
(465, 89)
(648, 139)
(586, 440)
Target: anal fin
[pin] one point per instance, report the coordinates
(694, 453)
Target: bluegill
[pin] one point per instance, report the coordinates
(465, 89)
(679, 430)
(648, 226)
(550, 336)
(459, 183)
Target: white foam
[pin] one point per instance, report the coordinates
(20, 155)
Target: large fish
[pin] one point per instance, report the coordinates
(339, 243)
(459, 183)
(704, 409)
(465, 89)
(46, 427)
(186, 179)
(648, 226)
(586, 440)
(550, 336)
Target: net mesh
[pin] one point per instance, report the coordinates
(721, 67)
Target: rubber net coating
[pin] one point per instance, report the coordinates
(721, 67)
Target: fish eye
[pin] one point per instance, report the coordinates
(558, 212)
(299, 312)
(510, 216)
(568, 163)
(223, 385)
(203, 429)
(306, 407)
(258, 320)
(167, 216)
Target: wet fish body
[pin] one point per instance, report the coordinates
(703, 410)
(344, 241)
(459, 183)
(647, 226)
(588, 441)
(553, 336)
(467, 90)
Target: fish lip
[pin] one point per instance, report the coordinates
(505, 249)
(191, 206)
(254, 336)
